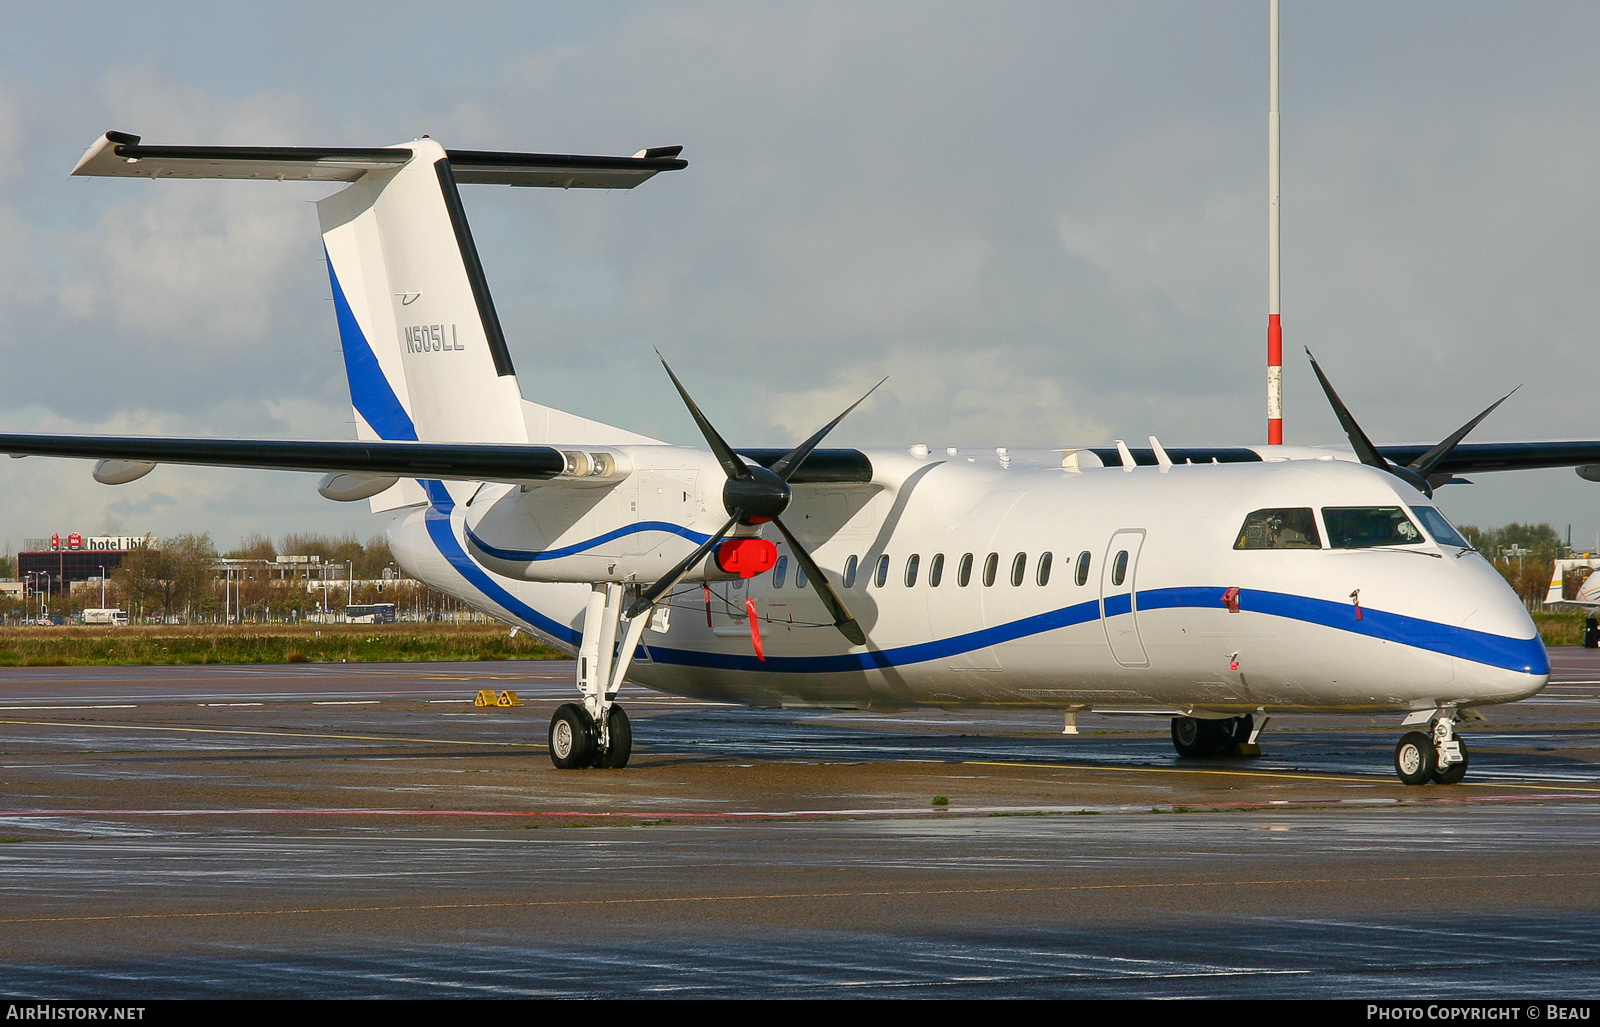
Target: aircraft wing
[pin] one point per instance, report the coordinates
(448, 461)
(1503, 456)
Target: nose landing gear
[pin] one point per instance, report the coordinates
(1438, 756)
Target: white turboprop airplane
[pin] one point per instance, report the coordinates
(1216, 587)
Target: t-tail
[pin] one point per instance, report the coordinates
(424, 350)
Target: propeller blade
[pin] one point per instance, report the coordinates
(791, 461)
(647, 598)
(1366, 452)
(1429, 461)
(732, 466)
(841, 614)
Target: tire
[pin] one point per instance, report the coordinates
(616, 756)
(1453, 774)
(573, 741)
(1193, 737)
(1414, 758)
(1242, 726)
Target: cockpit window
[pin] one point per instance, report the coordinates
(1294, 528)
(1439, 528)
(1358, 527)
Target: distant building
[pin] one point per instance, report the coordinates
(53, 564)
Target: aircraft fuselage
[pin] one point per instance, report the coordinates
(1147, 604)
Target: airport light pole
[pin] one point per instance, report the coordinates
(1274, 233)
(102, 586)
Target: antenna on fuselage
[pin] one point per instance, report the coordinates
(1274, 326)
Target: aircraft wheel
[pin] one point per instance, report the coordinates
(1193, 737)
(1414, 758)
(573, 738)
(616, 756)
(1454, 772)
(1242, 726)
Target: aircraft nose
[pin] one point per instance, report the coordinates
(1500, 656)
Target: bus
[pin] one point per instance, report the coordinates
(372, 613)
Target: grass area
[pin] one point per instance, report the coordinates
(312, 643)
(356, 643)
(1561, 627)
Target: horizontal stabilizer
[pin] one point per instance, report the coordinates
(121, 155)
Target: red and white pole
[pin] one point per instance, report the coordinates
(1274, 326)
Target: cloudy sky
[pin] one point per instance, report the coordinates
(1045, 222)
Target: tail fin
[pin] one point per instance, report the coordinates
(413, 307)
(423, 348)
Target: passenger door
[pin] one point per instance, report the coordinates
(1118, 600)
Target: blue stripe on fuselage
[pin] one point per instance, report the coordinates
(1526, 655)
(437, 519)
(529, 555)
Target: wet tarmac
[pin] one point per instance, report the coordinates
(345, 830)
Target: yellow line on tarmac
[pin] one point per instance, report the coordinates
(1548, 787)
(270, 734)
(770, 897)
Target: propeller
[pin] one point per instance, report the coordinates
(1423, 473)
(755, 495)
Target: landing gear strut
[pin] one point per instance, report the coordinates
(1192, 736)
(596, 731)
(1437, 755)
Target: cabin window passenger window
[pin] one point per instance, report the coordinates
(1082, 575)
(1279, 529)
(964, 572)
(780, 572)
(850, 573)
(1439, 528)
(883, 570)
(1358, 527)
(1119, 567)
(1043, 573)
(799, 575)
(911, 570)
(935, 570)
(990, 566)
(1019, 568)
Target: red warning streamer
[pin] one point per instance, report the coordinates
(755, 628)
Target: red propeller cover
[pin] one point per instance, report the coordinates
(746, 557)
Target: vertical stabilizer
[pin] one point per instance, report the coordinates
(422, 343)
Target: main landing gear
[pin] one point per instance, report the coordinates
(1438, 756)
(575, 739)
(1193, 736)
(596, 732)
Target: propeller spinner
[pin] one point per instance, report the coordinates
(754, 495)
(1422, 473)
